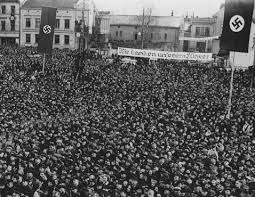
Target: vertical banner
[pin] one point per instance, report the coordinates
(48, 19)
(237, 25)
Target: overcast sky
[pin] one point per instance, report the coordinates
(201, 8)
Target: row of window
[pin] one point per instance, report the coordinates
(3, 25)
(202, 31)
(38, 21)
(119, 34)
(3, 9)
(56, 40)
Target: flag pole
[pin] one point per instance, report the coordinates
(253, 66)
(231, 88)
(44, 62)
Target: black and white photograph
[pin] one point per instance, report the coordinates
(127, 98)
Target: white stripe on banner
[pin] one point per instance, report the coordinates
(164, 54)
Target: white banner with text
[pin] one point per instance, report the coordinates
(164, 54)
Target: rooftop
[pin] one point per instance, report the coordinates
(9, 1)
(50, 3)
(162, 21)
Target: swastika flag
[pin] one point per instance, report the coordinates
(237, 25)
(48, 19)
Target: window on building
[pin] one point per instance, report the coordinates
(13, 9)
(12, 25)
(201, 46)
(37, 38)
(66, 40)
(28, 22)
(136, 36)
(207, 31)
(57, 23)
(121, 34)
(37, 22)
(28, 38)
(117, 33)
(67, 23)
(165, 36)
(3, 25)
(197, 31)
(159, 36)
(3, 8)
(186, 46)
(57, 40)
(151, 35)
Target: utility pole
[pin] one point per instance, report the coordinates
(143, 28)
(81, 45)
(83, 29)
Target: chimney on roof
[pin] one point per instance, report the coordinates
(172, 13)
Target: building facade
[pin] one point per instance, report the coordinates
(69, 12)
(218, 26)
(199, 28)
(9, 22)
(158, 32)
(101, 33)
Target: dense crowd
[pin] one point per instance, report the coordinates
(123, 130)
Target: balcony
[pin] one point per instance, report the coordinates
(9, 33)
(187, 34)
(202, 35)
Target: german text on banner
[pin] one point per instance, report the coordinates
(48, 19)
(164, 54)
(237, 25)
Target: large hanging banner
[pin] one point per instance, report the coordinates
(237, 25)
(199, 39)
(164, 54)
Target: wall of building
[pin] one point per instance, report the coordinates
(105, 25)
(72, 14)
(205, 29)
(123, 32)
(8, 33)
(218, 25)
(164, 38)
(35, 14)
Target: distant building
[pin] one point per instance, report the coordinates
(218, 27)
(9, 22)
(102, 30)
(197, 27)
(159, 32)
(69, 13)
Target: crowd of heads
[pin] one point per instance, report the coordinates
(156, 130)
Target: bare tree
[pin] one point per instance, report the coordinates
(143, 22)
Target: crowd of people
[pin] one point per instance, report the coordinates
(156, 130)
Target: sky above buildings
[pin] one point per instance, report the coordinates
(202, 8)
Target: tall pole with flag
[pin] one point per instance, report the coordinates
(236, 32)
(253, 66)
(48, 19)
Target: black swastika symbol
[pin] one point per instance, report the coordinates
(47, 29)
(237, 23)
